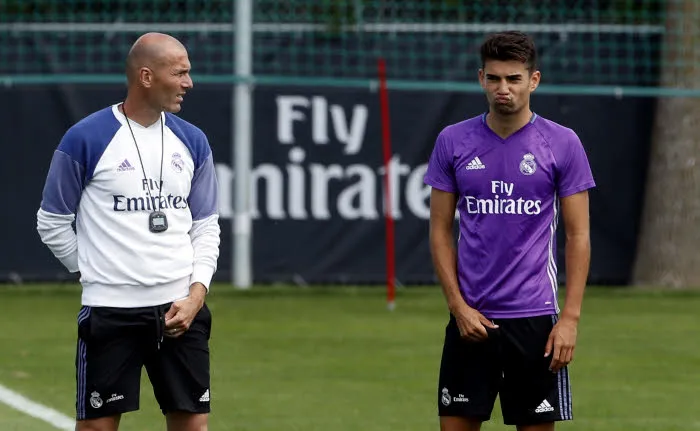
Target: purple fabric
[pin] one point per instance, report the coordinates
(508, 201)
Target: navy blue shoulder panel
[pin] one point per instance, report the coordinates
(192, 136)
(87, 140)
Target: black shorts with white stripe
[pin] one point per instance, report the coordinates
(509, 364)
(115, 344)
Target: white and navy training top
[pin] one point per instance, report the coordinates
(96, 179)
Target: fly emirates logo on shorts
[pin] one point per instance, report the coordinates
(504, 201)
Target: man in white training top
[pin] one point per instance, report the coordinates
(140, 184)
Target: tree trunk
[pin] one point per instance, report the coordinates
(668, 252)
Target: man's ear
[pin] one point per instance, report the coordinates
(535, 80)
(146, 77)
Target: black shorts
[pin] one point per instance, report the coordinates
(115, 343)
(510, 363)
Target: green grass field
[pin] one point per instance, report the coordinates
(336, 359)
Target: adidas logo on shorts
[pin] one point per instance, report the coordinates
(544, 407)
(205, 397)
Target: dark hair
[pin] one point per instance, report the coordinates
(508, 46)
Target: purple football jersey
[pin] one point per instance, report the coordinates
(508, 200)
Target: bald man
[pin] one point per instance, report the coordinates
(140, 184)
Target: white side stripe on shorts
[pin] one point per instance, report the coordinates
(564, 386)
(82, 367)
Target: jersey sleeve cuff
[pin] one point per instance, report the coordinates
(439, 185)
(573, 190)
(202, 274)
(71, 262)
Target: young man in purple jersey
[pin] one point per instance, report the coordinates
(509, 173)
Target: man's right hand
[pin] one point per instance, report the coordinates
(472, 324)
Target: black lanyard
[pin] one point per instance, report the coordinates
(157, 221)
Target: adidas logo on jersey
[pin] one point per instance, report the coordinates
(125, 166)
(475, 164)
(205, 397)
(544, 407)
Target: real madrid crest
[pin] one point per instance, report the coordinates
(177, 163)
(446, 399)
(528, 165)
(95, 400)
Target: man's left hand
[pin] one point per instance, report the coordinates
(181, 313)
(561, 343)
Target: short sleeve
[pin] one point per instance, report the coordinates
(573, 169)
(440, 172)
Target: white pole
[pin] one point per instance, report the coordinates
(241, 146)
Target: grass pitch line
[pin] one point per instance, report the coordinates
(25, 405)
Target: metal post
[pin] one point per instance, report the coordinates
(241, 145)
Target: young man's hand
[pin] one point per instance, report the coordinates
(471, 323)
(561, 343)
